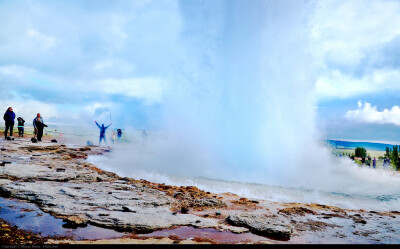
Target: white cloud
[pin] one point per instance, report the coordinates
(343, 35)
(29, 108)
(336, 84)
(68, 47)
(366, 113)
(347, 28)
(41, 39)
(113, 67)
(149, 89)
(15, 71)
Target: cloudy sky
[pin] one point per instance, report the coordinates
(358, 79)
(74, 61)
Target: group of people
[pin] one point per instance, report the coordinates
(386, 162)
(103, 133)
(366, 161)
(9, 118)
(38, 125)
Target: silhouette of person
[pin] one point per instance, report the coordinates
(102, 132)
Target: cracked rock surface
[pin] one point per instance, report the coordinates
(82, 193)
(62, 183)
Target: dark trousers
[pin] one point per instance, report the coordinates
(21, 131)
(102, 137)
(9, 126)
(39, 134)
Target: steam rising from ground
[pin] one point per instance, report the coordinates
(239, 106)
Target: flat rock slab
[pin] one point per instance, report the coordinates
(269, 226)
(113, 205)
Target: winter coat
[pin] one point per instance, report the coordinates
(9, 117)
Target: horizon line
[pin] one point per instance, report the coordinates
(367, 141)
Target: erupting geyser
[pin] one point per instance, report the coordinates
(239, 105)
(242, 98)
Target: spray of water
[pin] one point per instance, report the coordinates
(239, 106)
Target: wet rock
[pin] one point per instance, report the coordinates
(245, 201)
(357, 218)
(364, 233)
(90, 201)
(75, 221)
(178, 195)
(312, 225)
(297, 211)
(128, 209)
(184, 210)
(275, 227)
(333, 215)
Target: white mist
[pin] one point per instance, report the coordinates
(239, 106)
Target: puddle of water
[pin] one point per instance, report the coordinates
(28, 216)
(207, 233)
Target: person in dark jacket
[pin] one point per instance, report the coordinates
(9, 118)
(119, 134)
(38, 125)
(21, 122)
(102, 132)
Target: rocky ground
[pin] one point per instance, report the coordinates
(62, 183)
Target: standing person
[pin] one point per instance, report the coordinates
(102, 132)
(374, 163)
(38, 125)
(9, 117)
(21, 122)
(119, 134)
(113, 136)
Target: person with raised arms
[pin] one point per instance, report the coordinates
(102, 132)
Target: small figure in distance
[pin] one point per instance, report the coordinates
(9, 117)
(38, 125)
(21, 122)
(119, 134)
(102, 132)
(113, 136)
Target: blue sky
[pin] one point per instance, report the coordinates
(74, 61)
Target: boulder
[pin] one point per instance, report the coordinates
(268, 226)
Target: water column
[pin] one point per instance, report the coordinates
(242, 97)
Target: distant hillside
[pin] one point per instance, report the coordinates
(337, 144)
